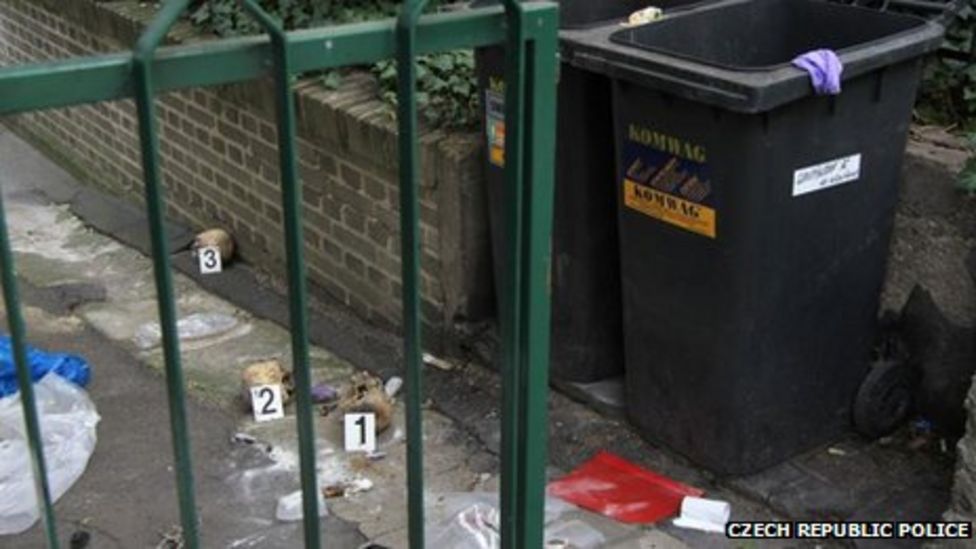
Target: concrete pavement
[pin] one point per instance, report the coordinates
(88, 293)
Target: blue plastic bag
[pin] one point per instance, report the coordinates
(71, 367)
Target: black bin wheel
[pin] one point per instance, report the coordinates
(884, 398)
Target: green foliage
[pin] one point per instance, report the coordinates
(227, 18)
(447, 91)
(948, 94)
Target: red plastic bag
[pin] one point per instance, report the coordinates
(612, 486)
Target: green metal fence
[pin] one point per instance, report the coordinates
(529, 34)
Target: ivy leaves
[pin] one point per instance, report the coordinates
(447, 92)
(948, 94)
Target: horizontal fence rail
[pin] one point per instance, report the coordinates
(109, 77)
(529, 33)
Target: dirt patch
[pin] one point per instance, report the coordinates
(935, 231)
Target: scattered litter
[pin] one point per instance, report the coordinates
(834, 451)
(376, 456)
(366, 393)
(218, 238)
(707, 515)
(194, 326)
(574, 534)
(482, 479)
(266, 372)
(644, 16)
(347, 488)
(621, 490)
(290, 507)
(283, 458)
(437, 362)
(470, 520)
(392, 386)
(254, 540)
(249, 440)
(922, 426)
(358, 486)
(475, 527)
(323, 393)
(334, 491)
(171, 539)
(67, 420)
(71, 367)
(243, 438)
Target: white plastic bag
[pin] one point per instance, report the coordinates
(470, 520)
(68, 419)
(194, 326)
(474, 527)
(290, 507)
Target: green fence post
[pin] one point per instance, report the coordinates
(18, 340)
(142, 72)
(529, 155)
(291, 199)
(510, 317)
(537, 203)
(406, 52)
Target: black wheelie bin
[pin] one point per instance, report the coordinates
(754, 217)
(587, 340)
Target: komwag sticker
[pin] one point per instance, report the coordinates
(667, 178)
(495, 122)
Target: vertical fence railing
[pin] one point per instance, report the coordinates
(18, 340)
(529, 184)
(529, 32)
(406, 54)
(291, 198)
(142, 73)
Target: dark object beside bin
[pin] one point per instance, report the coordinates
(587, 342)
(754, 217)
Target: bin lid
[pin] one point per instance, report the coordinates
(736, 54)
(937, 10)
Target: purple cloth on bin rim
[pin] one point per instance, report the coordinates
(824, 68)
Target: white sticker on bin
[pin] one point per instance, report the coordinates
(827, 174)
